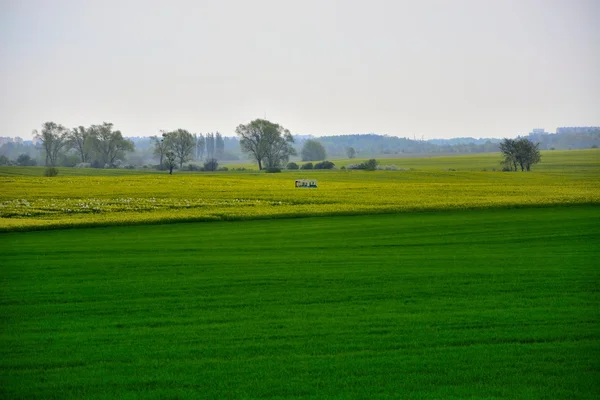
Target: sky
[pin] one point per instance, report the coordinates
(423, 68)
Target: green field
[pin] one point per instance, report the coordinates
(34, 202)
(444, 280)
(468, 304)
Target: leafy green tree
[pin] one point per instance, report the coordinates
(79, 140)
(313, 151)
(53, 138)
(519, 153)
(182, 143)
(268, 143)
(528, 154)
(109, 145)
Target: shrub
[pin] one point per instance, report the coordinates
(51, 171)
(211, 165)
(83, 165)
(292, 165)
(370, 165)
(193, 167)
(272, 170)
(343, 167)
(307, 166)
(324, 165)
(222, 169)
(129, 166)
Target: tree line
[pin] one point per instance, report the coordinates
(98, 145)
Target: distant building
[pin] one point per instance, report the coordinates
(578, 129)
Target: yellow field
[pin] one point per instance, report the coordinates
(37, 202)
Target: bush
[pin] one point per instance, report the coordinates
(292, 165)
(193, 167)
(370, 165)
(272, 170)
(222, 169)
(343, 167)
(129, 166)
(324, 165)
(307, 166)
(211, 165)
(83, 165)
(51, 171)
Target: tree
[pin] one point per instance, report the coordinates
(266, 142)
(160, 148)
(350, 152)
(210, 145)
(79, 140)
(170, 161)
(509, 151)
(200, 146)
(519, 153)
(181, 142)
(313, 151)
(219, 146)
(109, 145)
(528, 154)
(25, 160)
(53, 138)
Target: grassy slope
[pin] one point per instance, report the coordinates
(487, 304)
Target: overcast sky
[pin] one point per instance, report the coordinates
(424, 68)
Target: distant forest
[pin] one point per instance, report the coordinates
(15, 151)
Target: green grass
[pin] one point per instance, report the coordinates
(66, 171)
(464, 304)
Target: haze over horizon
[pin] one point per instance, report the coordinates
(432, 69)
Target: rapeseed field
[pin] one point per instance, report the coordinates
(29, 202)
